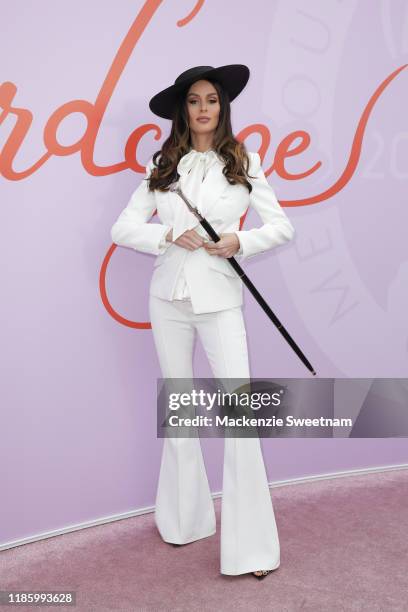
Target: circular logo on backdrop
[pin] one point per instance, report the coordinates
(347, 270)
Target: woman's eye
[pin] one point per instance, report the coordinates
(214, 101)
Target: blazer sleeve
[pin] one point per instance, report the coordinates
(132, 229)
(276, 228)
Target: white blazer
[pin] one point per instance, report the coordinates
(213, 284)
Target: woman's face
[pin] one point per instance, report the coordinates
(202, 101)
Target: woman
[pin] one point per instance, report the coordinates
(194, 289)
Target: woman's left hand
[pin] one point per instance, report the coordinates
(227, 246)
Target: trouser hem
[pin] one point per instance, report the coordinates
(246, 570)
(193, 539)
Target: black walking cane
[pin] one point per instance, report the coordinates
(213, 234)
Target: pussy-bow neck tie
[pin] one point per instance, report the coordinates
(192, 168)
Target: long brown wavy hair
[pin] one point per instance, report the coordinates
(179, 143)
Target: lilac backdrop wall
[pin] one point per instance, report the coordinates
(78, 388)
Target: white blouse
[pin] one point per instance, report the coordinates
(192, 168)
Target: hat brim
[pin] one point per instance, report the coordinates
(233, 78)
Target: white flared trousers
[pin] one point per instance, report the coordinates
(184, 506)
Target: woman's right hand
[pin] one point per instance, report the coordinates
(188, 240)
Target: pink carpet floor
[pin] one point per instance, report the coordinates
(344, 547)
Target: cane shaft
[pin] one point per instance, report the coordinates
(264, 305)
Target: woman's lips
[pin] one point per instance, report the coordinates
(204, 120)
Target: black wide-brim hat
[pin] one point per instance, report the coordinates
(232, 77)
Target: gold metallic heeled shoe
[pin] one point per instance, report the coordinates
(263, 575)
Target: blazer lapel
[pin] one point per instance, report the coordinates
(214, 184)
